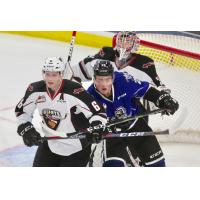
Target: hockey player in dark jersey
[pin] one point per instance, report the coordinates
(60, 102)
(117, 91)
(124, 57)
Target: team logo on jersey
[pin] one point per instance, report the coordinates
(147, 65)
(120, 113)
(104, 106)
(78, 90)
(30, 88)
(40, 99)
(52, 118)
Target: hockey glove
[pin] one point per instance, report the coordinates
(30, 136)
(165, 101)
(96, 132)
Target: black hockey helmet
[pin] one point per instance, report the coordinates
(103, 68)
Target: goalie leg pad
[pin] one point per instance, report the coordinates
(114, 162)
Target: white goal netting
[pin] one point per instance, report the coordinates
(177, 57)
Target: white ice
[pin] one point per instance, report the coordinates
(21, 59)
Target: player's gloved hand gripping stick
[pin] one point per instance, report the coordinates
(105, 134)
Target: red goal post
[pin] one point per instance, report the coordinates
(170, 55)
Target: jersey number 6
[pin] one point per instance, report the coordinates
(96, 106)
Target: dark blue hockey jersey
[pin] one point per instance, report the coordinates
(125, 91)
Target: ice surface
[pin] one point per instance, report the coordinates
(21, 62)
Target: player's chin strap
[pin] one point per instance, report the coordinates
(82, 135)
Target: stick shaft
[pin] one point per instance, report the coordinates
(96, 128)
(71, 46)
(136, 117)
(110, 135)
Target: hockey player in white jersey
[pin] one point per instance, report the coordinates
(124, 57)
(60, 103)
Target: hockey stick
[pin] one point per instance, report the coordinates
(71, 48)
(101, 126)
(108, 135)
(116, 122)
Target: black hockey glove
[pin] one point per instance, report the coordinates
(95, 134)
(165, 101)
(30, 136)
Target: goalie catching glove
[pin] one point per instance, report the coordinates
(30, 136)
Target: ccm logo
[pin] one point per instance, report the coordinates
(156, 154)
(26, 130)
(131, 134)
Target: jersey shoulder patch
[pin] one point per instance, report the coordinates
(35, 87)
(72, 88)
(145, 61)
(38, 86)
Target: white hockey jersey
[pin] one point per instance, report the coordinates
(139, 66)
(59, 111)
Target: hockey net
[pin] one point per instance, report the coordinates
(177, 58)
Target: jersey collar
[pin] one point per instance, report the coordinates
(53, 95)
(107, 99)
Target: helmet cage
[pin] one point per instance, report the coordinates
(127, 42)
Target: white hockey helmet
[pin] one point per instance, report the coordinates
(127, 42)
(53, 64)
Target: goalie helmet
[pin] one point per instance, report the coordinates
(53, 64)
(103, 68)
(126, 42)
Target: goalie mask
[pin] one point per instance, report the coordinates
(127, 42)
